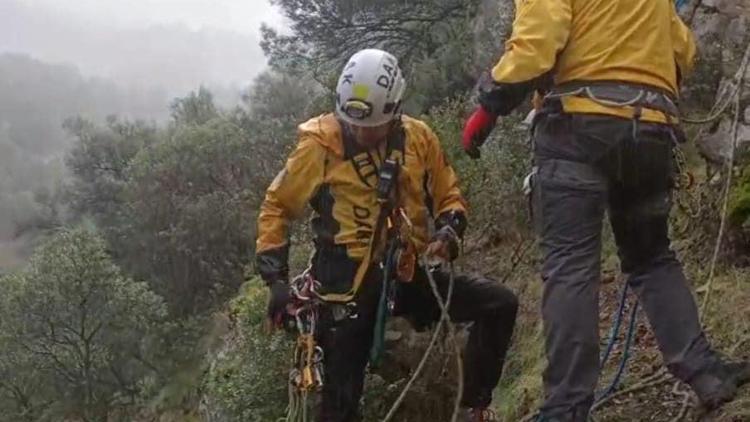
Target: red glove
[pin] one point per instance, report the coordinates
(476, 130)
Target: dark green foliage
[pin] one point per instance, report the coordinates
(247, 382)
(493, 185)
(178, 205)
(195, 109)
(72, 331)
(432, 40)
(192, 206)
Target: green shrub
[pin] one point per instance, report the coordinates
(247, 380)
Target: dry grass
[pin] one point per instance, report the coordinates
(727, 323)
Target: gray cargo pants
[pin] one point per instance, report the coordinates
(587, 165)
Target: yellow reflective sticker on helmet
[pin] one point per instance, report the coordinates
(361, 91)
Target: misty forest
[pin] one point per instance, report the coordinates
(134, 163)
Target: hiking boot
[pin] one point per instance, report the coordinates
(476, 415)
(718, 384)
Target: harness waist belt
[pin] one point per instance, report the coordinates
(619, 94)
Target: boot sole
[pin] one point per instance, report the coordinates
(728, 390)
(743, 377)
(726, 394)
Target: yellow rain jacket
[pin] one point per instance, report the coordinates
(637, 41)
(338, 179)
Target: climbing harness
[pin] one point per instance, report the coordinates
(638, 97)
(620, 95)
(306, 375)
(387, 198)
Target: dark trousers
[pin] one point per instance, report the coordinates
(346, 343)
(587, 165)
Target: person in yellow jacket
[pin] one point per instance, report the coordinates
(341, 166)
(609, 73)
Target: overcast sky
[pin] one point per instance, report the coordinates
(244, 16)
(175, 44)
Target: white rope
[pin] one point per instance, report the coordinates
(739, 79)
(452, 333)
(444, 317)
(725, 96)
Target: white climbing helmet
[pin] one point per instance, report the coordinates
(369, 89)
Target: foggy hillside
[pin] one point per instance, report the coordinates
(128, 269)
(36, 97)
(100, 58)
(143, 57)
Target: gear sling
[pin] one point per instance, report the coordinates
(390, 218)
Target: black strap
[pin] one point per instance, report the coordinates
(388, 176)
(395, 142)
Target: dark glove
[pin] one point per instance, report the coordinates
(476, 130)
(277, 303)
(444, 244)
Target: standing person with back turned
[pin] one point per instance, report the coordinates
(609, 72)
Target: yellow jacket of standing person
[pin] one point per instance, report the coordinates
(339, 180)
(642, 42)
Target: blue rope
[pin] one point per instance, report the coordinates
(626, 351)
(679, 4)
(615, 331)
